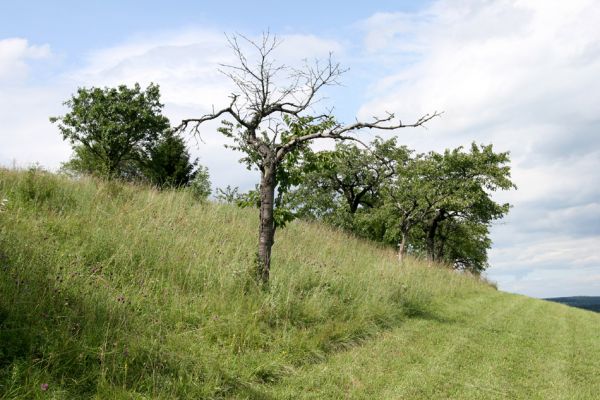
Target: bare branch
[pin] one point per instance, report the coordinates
(338, 131)
(196, 122)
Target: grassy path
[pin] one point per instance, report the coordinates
(485, 347)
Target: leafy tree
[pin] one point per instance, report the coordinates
(110, 129)
(270, 124)
(405, 201)
(342, 187)
(168, 164)
(200, 184)
(353, 174)
(433, 188)
(464, 183)
(463, 244)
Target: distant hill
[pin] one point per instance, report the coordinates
(586, 302)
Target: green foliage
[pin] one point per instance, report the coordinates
(346, 180)
(229, 195)
(121, 133)
(431, 204)
(168, 164)
(199, 186)
(112, 128)
(464, 244)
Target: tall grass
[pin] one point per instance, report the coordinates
(120, 291)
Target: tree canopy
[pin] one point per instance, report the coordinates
(114, 126)
(121, 133)
(436, 204)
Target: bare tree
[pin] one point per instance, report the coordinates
(270, 120)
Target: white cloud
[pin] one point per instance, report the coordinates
(521, 75)
(26, 135)
(24, 110)
(186, 66)
(15, 53)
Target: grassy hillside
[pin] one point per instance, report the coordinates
(117, 291)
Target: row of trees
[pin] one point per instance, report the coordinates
(436, 204)
(433, 204)
(121, 133)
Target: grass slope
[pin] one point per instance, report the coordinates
(117, 291)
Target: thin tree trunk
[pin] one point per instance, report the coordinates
(441, 247)
(402, 246)
(431, 240)
(266, 234)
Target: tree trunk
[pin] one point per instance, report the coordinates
(441, 247)
(435, 222)
(266, 233)
(431, 240)
(402, 246)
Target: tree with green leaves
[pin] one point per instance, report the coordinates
(199, 185)
(167, 162)
(342, 186)
(465, 181)
(269, 123)
(349, 175)
(463, 244)
(433, 188)
(404, 204)
(111, 129)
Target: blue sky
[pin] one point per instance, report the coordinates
(521, 74)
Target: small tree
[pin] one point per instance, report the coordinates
(270, 122)
(110, 129)
(168, 163)
(463, 185)
(199, 186)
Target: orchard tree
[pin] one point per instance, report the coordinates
(404, 200)
(350, 174)
(110, 129)
(433, 188)
(269, 121)
(463, 244)
(343, 187)
(464, 182)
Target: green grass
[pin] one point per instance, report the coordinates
(115, 291)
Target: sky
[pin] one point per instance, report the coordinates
(522, 75)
